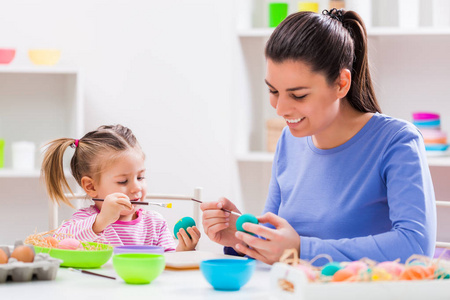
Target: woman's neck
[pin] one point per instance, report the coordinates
(348, 122)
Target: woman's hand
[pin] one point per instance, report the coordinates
(276, 240)
(184, 242)
(219, 225)
(110, 210)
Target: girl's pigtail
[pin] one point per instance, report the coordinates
(53, 170)
(361, 94)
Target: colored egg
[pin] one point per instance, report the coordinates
(244, 219)
(392, 267)
(356, 266)
(342, 275)
(417, 273)
(23, 253)
(441, 273)
(379, 274)
(70, 244)
(331, 268)
(310, 274)
(51, 242)
(183, 223)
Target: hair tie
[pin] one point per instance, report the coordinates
(334, 13)
(75, 144)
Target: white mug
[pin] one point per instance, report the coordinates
(23, 154)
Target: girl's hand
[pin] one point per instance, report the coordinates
(184, 242)
(276, 240)
(110, 210)
(220, 225)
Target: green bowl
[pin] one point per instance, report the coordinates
(86, 259)
(138, 268)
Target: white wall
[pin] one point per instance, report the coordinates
(162, 68)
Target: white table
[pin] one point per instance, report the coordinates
(183, 284)
(190, 284)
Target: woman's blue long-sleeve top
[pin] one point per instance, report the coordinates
(370, 197)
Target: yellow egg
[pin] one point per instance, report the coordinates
(23, 253)
(3, 257)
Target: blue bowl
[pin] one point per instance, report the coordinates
(138, 249)
(227, 274)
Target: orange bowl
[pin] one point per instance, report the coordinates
(7, 55)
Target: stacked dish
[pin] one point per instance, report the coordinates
(429, 125)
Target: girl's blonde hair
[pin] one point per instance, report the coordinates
(88, 159)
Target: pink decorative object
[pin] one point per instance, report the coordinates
(356, 266)
(392, 267)
(70, 244)
(7, 55)
(422, 116)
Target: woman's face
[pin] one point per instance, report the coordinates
(302, 97)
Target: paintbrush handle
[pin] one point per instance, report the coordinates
(92, 273)
(132, 202)
(231, 212)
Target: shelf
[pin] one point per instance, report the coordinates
(10, 173)
(38, 69)
(374, 31)
(433, 161)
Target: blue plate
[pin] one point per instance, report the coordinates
(436, 147)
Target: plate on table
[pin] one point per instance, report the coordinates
(94, 256)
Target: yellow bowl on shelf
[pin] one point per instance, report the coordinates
(48, 57)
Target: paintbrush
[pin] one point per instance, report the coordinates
(166, 205)
(91, 273)
(231, 212)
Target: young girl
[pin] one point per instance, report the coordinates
(108, 164)
(347, 181)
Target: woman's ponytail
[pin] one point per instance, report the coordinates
(361, 94)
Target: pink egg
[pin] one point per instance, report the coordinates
(70, 244)
(392, 267)
(356, 266)
(310, 274)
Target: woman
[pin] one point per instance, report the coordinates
(347, 180)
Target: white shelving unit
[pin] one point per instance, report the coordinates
(38, 104)
(411, 72)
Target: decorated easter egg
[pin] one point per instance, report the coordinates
(51, 242)
(70, 244)
(310, 274)
(183, 223)
(441, 273)
(342, 275)
(417, 272)
(244, 219)
(392, 267)
(330, 268)
(356, 266)
(380, 274)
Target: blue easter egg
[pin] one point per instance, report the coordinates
(183, 223)
(244, 219)
(330, 268)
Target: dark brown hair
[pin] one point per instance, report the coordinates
(107, 141)
(328, 43)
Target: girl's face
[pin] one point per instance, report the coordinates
(126, 175)
(303, 98)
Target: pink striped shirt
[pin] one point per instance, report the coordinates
(149, 228)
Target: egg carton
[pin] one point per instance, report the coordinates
(44, 267)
